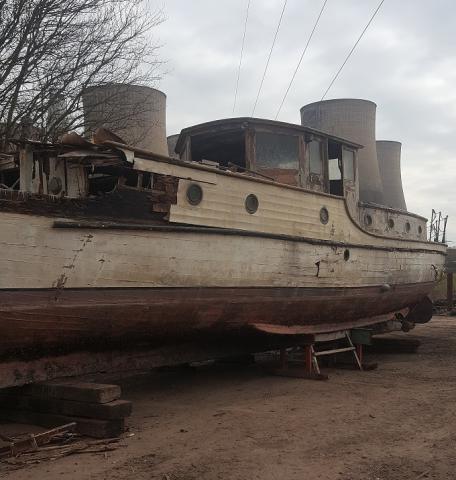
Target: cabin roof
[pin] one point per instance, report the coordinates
(241, 123)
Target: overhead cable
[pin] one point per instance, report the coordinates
(302, 56)
(241, 55)
(269, 56)
(352, 50)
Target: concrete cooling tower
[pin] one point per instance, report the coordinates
(389, 164)
(352, 119)
(172, 141)
(135, 113)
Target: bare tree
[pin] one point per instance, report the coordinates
(51, 51)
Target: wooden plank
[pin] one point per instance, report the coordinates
(78, 392)
(84, 426)
(34, 441)
(7, 164)
(101, 411)
(83, 363)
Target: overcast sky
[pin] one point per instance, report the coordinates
(405, 63)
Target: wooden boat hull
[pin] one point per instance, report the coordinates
(64, 291)
(35, 323)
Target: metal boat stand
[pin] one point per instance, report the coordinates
(310, 368)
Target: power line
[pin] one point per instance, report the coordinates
(242, 52)
(302, 56)
(269, 56)
(352, 50)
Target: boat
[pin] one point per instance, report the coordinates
(117, 257)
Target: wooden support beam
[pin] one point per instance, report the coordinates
(101, 411)
(79, 392)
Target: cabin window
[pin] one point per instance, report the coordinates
(315, 157)
(348, 157)
(334, 168)
(277, 151)
(9, 180)
(277, 156)
(226, 148)
(131, 179)
(147, 180)
(101, 182)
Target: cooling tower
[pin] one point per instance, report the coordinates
(57, 111)
(389, 164)
(135, 113)
(352, 119)
(172, 141)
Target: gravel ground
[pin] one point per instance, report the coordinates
(236, 422)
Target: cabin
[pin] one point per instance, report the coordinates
(282, 152)
(108, 179)
(297, 156)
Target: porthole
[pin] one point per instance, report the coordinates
(420, 229)
(367, 220)
(55, 185)
(407, 227)
(324, 215)
(251, 203)
(346, 254)
(194, 194)
(391, 223)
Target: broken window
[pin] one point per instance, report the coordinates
(226, 148)
(335, 168)
(277, 156)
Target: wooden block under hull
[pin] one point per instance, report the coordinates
(101, 411)
(18, 373)
(77, 392)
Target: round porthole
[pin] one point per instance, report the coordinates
(251, 203)
(324, 215)
(346, 254)
(55, 185)
(391, 223)
(194, 194)
(420, 229)
(367, 220)
(407, 227)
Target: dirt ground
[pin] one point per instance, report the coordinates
(236, 422)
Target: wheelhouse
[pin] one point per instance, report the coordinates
(282, 152)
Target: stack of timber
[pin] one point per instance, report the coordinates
(96, 409)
